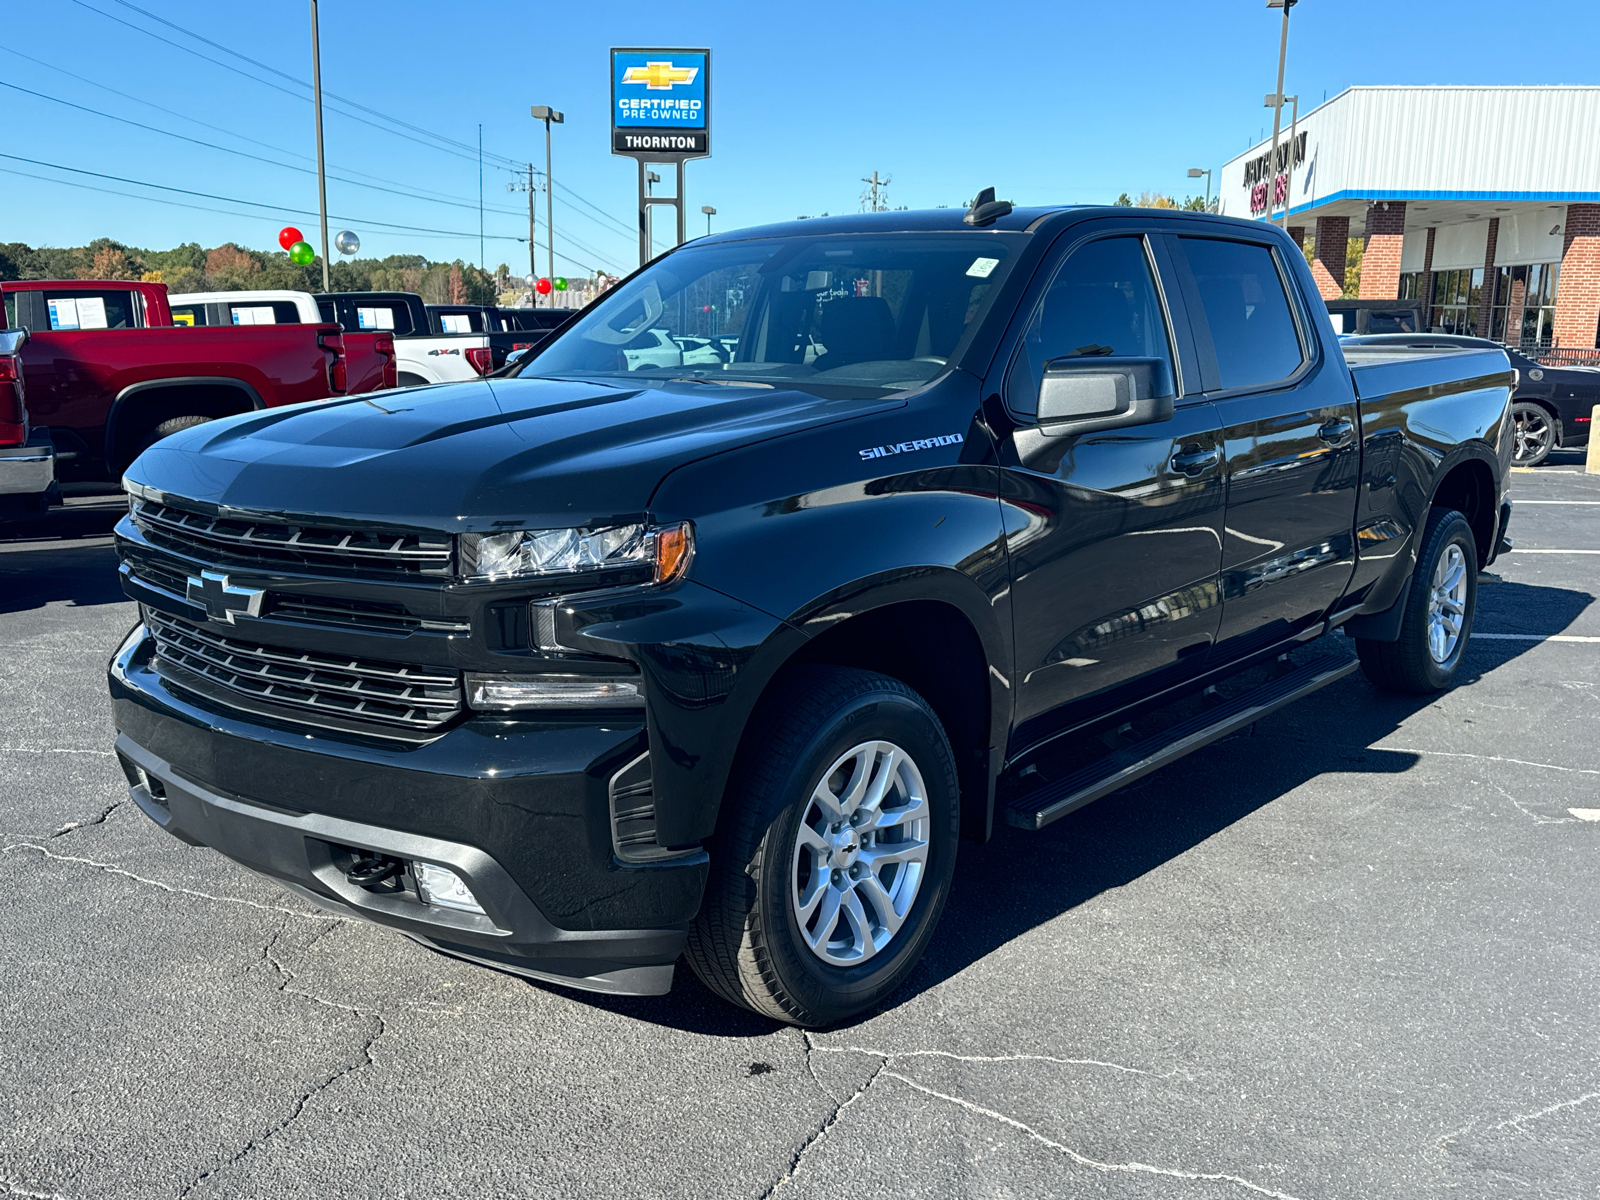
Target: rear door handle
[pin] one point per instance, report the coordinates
(1195, 461)
(1337, 433)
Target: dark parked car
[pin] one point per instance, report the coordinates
(1552, 406)
(630, 658)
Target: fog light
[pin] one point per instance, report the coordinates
(442, 887)
(503, 692)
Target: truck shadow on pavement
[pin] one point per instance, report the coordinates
(52, 558)
(1022, 880)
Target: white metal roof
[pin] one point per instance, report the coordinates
(1455, 154)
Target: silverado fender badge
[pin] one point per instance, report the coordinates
(950, 439)
(222, 601)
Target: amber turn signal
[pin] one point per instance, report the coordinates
(674, 549)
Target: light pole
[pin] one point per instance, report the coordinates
(1195, 173)
(543, 112)
(1277, 110)
(322, 177)
(709, 212)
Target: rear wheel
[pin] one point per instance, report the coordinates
(1535, 434)
(1442, 598)
(835, 853)
(166, 429)
(407, 379)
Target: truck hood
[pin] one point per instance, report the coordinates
(470, 457)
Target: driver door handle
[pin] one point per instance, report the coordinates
(1338, 432)
(1192, 460)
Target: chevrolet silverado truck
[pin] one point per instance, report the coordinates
(109, 374)
(575, 673)
(426, 355)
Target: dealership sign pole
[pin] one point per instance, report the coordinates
(660, 113)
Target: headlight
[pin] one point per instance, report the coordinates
(527, 552)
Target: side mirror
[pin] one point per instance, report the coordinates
(1080, 395)
(12, 340)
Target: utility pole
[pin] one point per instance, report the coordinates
(322, 175)
(871, 195)
(481, 259)
(1277, 112)
(533, 245)
(543, 112)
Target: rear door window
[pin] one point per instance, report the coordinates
(67, 310)
(385, 315)
(274, 312)
(1252, 327)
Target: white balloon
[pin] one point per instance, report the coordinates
(347, 242)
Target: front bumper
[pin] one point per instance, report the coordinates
(518, 809)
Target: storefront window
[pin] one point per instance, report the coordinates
(1525, 304)
(1456, 296)
(1411, 285)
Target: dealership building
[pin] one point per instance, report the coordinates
(1482, 202)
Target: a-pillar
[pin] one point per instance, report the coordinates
(1486, 292)
(1380, 265)
(1578, 289)
(1327, 268)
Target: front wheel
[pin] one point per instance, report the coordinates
(836, 850)
(1441, 601)
(1535, 434)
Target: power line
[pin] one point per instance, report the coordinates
(172, 112)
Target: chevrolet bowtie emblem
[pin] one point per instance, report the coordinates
(221, 600)
(660, 76)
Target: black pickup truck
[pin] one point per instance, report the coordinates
(623, 660)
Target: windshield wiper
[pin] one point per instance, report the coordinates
(722, 382)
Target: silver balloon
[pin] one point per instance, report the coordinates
(347, 242)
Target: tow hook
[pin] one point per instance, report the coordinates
(373, 870)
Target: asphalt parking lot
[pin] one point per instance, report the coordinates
(1355, 954)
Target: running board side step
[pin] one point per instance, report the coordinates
(1055, 800)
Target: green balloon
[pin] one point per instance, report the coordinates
(561, 284)
(301, 254)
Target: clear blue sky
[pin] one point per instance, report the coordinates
(1060, 102)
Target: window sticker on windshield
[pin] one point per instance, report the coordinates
(981, 267)
(375, 318)
(455, 322)
(183, 316)
(254, 315)
(63, 314)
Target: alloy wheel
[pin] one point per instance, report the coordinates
(1447, 603)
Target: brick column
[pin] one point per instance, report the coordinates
(1515, 303)
(1427, 281)
(1578, 289)
(1298, 233)
(1380, 265)
(1486, 294)
(1333, 236)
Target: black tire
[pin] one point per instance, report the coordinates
(166, 429)
(1408, 664)
(747, 944)
(1536, 433)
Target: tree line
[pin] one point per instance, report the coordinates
(231, 268)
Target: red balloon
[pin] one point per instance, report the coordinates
(289, 235)
(543, 287)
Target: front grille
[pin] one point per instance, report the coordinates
(310, 685)
(366, 615)
(252, 541)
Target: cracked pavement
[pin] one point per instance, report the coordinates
(1351, 955)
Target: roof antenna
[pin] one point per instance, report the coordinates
(986, 210)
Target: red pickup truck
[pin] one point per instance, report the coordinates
(108, 373)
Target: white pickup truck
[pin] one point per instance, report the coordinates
(421, 356)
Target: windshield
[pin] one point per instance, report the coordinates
(877, 311)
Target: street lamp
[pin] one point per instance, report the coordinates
(322, 176)
(1277, 102)
(1195, 173)
(709, 212)
(543, 112)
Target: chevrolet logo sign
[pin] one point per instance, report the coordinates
(660, 76)
(215, 593)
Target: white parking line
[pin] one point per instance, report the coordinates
(1535, 637)
(1520, 503)
(1585, 814)
(1522, 551)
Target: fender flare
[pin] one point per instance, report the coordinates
(119, 405)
